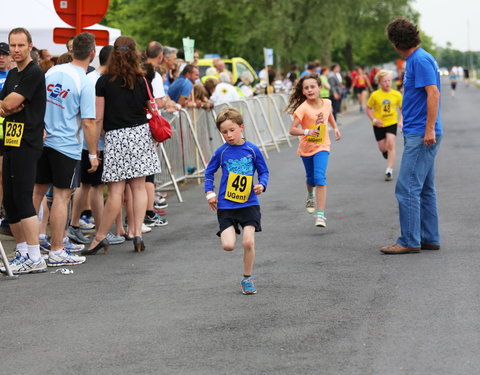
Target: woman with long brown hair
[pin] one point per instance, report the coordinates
(129, 153)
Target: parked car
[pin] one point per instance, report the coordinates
(236, 65)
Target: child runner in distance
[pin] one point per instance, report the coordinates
(313, 113)
(237, 202)
(382, 110)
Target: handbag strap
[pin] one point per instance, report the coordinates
(148, 89)
(152, 100)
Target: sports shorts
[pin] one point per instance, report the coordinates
(58, 169)
(381, 133)
(244, 216)
(95, 178)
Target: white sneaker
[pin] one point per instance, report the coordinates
(29, 266)
(85, 224)
(65, 258)
(146, 229)
(321, 221)
(14, 263)
(71, 246)
(310, 205)
(388, 176)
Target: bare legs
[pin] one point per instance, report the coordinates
(114, 204)
(320, 195)
(388, 144)
(229, 238)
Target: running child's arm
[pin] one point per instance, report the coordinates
(294, 130)
(262, 171)
(375, 121)
(212, 167)
(334, 126)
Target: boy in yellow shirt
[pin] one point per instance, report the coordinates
(382, 111)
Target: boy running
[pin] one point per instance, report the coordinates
(382, 111)
(237, 202)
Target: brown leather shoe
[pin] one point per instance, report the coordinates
(399, 249)
(428, 246)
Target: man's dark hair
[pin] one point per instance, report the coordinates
(105, 54)
(403, 34)
(153, 50)
(311, 66)
(20, 30)
(83, 44)
(188, 69)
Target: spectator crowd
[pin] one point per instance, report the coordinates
(70, 130)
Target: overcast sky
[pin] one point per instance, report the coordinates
(454, 21)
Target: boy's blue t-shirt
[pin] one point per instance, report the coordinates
(182, 86)
(237, 161)
(421, 70)
(70, 98)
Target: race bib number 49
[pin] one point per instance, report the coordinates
(13, 133)
(320, 138)
(239, 187)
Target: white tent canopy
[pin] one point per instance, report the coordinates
(39, 17)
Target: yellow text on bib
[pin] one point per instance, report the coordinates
(239, 187)
(320, 138)
(13, 133)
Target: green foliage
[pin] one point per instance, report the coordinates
(351, 32)
(447, 57)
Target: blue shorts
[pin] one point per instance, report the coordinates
(316, 168)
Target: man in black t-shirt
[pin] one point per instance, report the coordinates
(22, 103)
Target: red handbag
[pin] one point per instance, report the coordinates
(159, 127)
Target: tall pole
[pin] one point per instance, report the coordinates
(470, 55)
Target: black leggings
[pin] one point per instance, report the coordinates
(19, 171)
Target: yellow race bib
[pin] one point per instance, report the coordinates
(13, 133)
(320, 138)
(239, 187)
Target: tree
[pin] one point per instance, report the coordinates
(349, 31)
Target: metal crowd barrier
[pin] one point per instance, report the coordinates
(195, 136)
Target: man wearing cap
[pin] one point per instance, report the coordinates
(4, 63)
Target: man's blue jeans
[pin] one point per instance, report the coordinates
(415, 192)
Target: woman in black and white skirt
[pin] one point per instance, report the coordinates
(129, 150)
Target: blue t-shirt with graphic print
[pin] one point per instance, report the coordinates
(70, 98)
(421, 70)
(239, 159)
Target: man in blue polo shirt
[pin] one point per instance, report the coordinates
(422, 130)
(182, 87)
(69, 115)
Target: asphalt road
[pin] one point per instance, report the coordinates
(328, 301)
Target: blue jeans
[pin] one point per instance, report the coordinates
(415, 192)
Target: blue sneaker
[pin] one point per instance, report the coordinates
(14, 263)
(71, 246)
(44, 245)
(247, 285)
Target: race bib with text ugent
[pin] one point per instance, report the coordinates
(13, 133)
(239, 187)
(320, 138)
